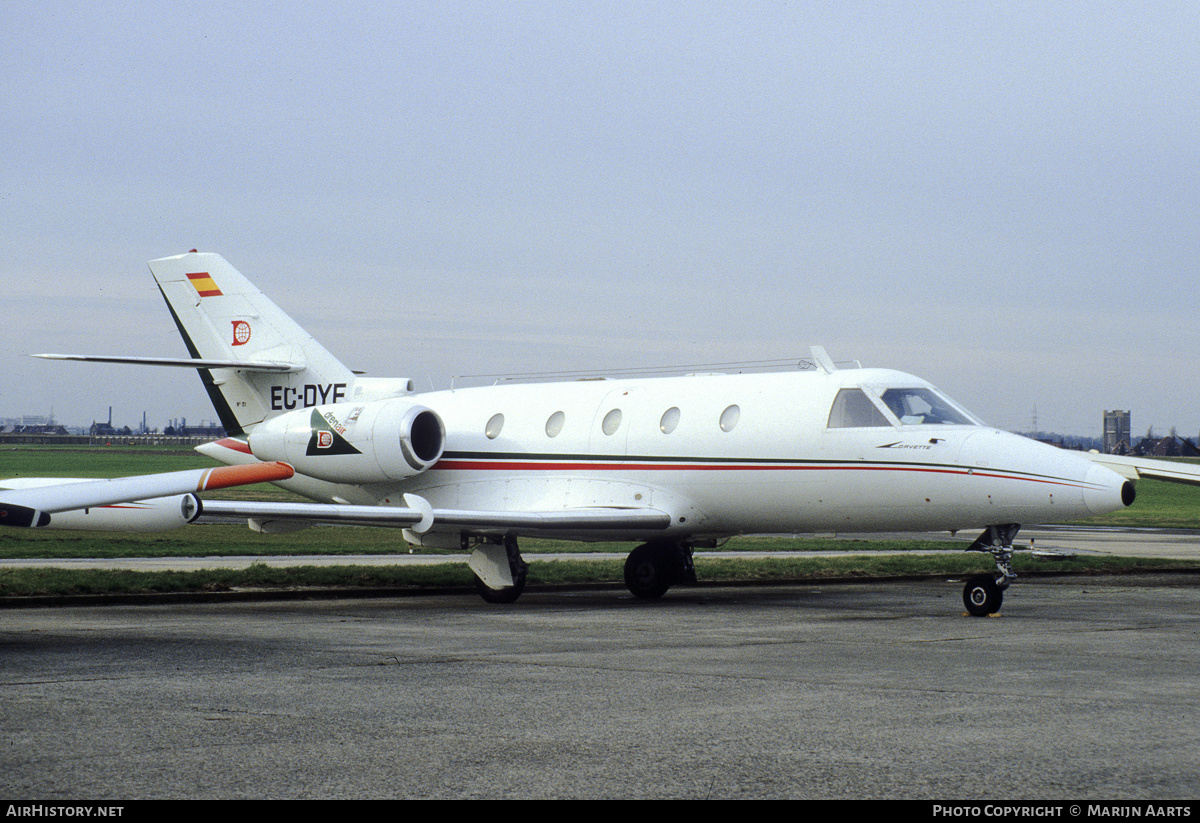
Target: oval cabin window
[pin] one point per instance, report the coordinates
(669, 420)
(494, 425)
(729, 418)
(612, 422)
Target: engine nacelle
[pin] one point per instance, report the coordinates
(354, 442)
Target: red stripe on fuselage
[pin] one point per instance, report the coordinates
(234, 445)
(552, 466)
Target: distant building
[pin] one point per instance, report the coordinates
(1169, 446)
(1116, 431)
(180, 428)
(31, 424)
(108, 430)
(46, 428)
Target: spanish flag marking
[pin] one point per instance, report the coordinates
(204, 284)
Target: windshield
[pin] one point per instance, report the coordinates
(923, 406)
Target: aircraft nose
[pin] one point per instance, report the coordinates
(1106, 490)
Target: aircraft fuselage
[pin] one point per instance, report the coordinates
(804, 451)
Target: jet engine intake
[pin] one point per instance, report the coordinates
(373, 442)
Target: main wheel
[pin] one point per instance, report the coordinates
(507, 594)
(982, 596)
(652, 568)
(516, 566)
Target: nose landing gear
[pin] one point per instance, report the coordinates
(984, 593)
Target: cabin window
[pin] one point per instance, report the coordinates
(494, 425)
(852, 409)
(611, 422)
(923, 406)
(729, 418)
(669, 420)
(555, 423)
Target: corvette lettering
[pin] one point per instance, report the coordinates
(310, 394)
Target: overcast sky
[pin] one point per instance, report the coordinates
(1001, 198)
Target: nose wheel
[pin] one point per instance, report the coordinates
(984, 593)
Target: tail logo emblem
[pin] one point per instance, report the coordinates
(241, 332)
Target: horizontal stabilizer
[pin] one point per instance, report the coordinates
(180, 362)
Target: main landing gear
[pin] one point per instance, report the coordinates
(984, 593)
(650, 570)
(499, 570)
(654, 567)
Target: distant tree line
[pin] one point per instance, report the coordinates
(1149, 446)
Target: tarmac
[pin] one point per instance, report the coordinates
(1081, 689)
(1180, 544)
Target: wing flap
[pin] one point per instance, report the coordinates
(584, 519)
(313, 512)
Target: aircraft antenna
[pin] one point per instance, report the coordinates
(637, 371)
(821, 358)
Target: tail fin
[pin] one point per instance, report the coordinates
(223, 317)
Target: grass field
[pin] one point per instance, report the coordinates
(96, 461)
(1158, 505)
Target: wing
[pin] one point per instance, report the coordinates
(1136, 468)
(32, 502)
(419, 516)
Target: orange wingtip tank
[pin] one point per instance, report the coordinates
(224, 477)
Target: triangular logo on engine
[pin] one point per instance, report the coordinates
(326, 439)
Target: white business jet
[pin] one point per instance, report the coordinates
(669, 463)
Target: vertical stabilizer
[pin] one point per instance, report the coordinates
(223, 316)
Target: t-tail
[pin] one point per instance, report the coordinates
(254, 360)
(263, 362)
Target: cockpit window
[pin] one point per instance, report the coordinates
(853, 409)
(918, 406)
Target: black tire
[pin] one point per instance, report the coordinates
(982, 596)
(652, 568)
(507, 594)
